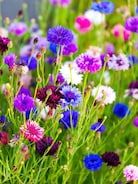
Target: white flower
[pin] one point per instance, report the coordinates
(104, 94)
(70, 73)
(95, 17)
(94, 51)
(3, 32)
(119, 62)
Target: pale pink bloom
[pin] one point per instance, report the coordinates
(131, 173)
(83, 24)
(25, 80)
(32, 131)
(119, 31)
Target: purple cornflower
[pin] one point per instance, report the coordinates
(10, 60)
(47, 145)
(111, 158)
(23, 103)
(24, 91)
(88, 63)
(131, 24)
(70, 49)
(63, 3)
(4, 42)
(18, 28)
(60, 35)
(69, 119)
(98, 127)
(71, 96)
(105, 7)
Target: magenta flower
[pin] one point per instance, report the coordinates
(18, 28)
(23, 103)
(88, 63)
(63, 3)
(32, 131)
(83, 24)
(4, 42)
(119, 31)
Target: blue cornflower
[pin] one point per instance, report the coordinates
(71, 96)
(106, 7)
(133, 59)
(93, 162)
(60, 35)
(3, 119)
(98, 127)
(31, 62)
(121, 110)
(69, 119)
(53, 48)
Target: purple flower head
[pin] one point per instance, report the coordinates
(133, 59)
(135, 121)
(60, 35)
(41, 43)
(105, 7)
(110, 49)
(88, 63)
(47, 146)
(60, 79)
(24, 91)
(23, 103)
(69, 119)
(131, 24)
(71, 96)
(51, 60)
(133, 85)
(70, 49)
(31, 62)
(111, 159)
(4, 44)
(98, 127)
(93, 162)
(63, 3)
(10, 60)
(18, 28)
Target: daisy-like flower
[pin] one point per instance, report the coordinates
(88, 63)
(60, 35)
(32, 131)
(71, 96)
(131, 173)
(104, 94)
(71, 74)
(119, 62)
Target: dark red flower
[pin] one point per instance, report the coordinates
(4, 138)
(111, 158)
(51, 94)
(47, 145)
(4, 44)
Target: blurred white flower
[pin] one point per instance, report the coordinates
(70, 73)
(104, 94)
(3, 32)
(95, 17)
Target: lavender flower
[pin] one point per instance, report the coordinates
(63, 3)
(60, 35)
(18, 28)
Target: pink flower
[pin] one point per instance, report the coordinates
(131, 173)
(120, 31)
(4, 138)
(32, 131)
(83, 24)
